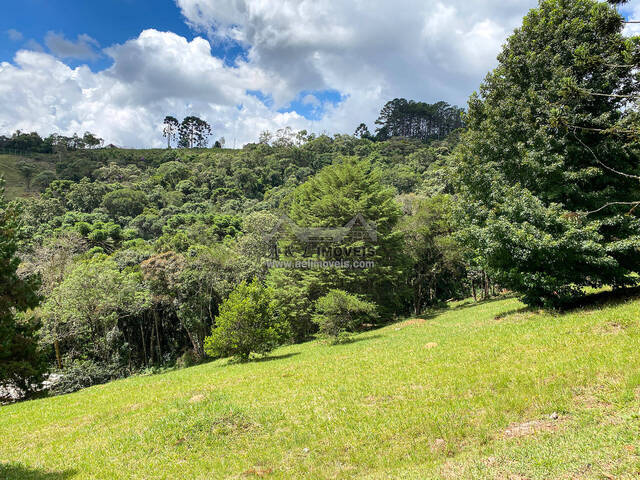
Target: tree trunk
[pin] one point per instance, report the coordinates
(486, 284)
(155, 319)
(56, 345)
(144, 345)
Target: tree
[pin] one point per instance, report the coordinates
(247, 324)
(194, 133)
(340, 313)
(170, 129)
(538, 160)
(43, 179)
(437, 270)
(82, 314)
(362, 131)
(92, 141)
(21, 364)
(125, 202)
(28, 170)
(346, 192)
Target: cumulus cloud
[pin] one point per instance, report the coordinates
(368, 52)
(156, 74)
(82, 49)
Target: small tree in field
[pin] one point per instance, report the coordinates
(247, 324)
(340, 313)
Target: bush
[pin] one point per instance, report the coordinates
(125, 202)
(246, 324)
(187, 359)
(82, 374)
(340, 313)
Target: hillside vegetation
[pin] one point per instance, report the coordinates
(489, 391)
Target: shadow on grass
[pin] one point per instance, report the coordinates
(357, 339)
(612, 297)
(435, 311)
(271, 358)
(15, 471)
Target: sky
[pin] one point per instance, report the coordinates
(118, 67)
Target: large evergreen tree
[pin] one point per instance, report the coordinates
(545, 141)
(20, 362)
(331, 200)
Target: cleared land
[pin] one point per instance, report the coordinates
(476, 391)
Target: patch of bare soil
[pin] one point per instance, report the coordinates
(532, 427)
(410, 323)
(258, 471)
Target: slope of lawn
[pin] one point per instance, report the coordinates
(476, 391)
(15, 183)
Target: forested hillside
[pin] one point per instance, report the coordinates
(120, 261)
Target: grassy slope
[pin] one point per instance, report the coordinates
(16, 185)
(466, 394)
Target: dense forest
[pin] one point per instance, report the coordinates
(118, 261)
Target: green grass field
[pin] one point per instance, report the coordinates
(489, 391)
(16, 184)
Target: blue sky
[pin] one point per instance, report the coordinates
(117, 67)
(111, 22)
(107, 21)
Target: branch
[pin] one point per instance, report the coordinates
(636, 177)
(635, 204)
(605, 130)
(611, 95)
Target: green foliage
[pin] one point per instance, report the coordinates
(125, 202)
(340, 313)
(438, 269)
(82, 374)
(331, 199)
(246, 324)
(83, 314)
(20, 360)
(402, 118)
(535, 168)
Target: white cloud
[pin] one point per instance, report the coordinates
(370, 52)
(156, 74)
(82, 49)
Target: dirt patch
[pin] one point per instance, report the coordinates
(413, 321)
(439, 445)
(431, 345)
(196, 398)
(258, 472)
(533, 427)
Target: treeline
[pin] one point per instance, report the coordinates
(410, 119)
(22, 142)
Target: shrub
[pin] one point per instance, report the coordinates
(187, 359)
(340, 313)
(83, 374)
(125, 202)
(246, 324)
